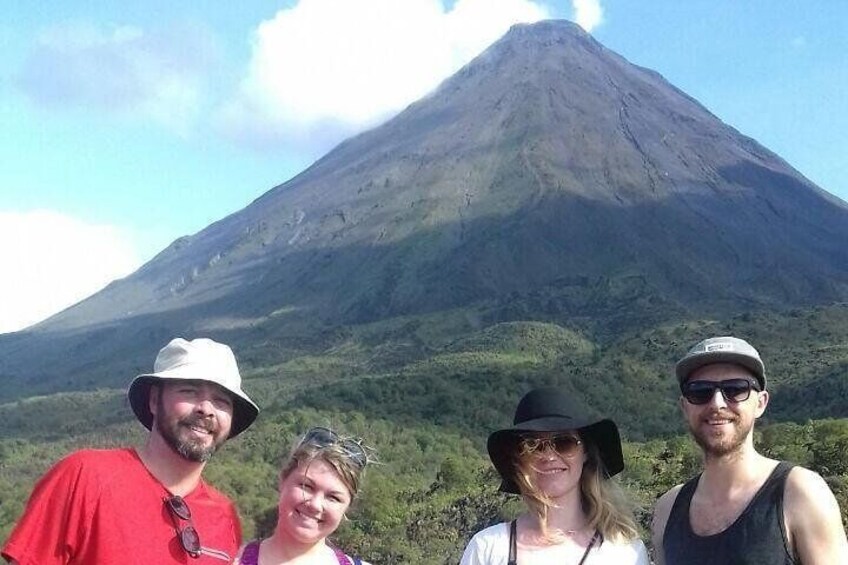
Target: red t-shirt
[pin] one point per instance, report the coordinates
(103, 507)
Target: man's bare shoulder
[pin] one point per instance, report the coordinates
(806, 491)
(813, 520)
(805, 480)
(666, 501)
(662, 509)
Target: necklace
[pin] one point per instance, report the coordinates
(577, 534)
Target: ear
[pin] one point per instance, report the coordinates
(154, 391)
(762, 402)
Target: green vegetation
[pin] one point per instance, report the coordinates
(425, 392)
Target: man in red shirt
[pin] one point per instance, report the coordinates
(147, 505)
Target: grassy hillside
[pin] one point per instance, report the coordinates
(425, 392)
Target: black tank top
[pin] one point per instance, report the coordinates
(757, 537)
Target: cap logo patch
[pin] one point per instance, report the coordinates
(720, 347)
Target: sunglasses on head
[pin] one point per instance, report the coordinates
(566, 445)
(325, 437)
(188, 536)
(733, 390)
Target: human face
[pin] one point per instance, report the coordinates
(723, 427)
(313, 501)
(193, 417)
(555, 472)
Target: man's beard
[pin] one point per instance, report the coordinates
(716, 447)
(190, 448)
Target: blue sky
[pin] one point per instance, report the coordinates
(129, 124)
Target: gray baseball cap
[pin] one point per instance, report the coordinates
(724, 349)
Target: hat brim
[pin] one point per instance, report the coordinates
(690, 364)
(503, 444)
(138, 393)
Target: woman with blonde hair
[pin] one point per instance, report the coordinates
(318, 482)
(560, 461)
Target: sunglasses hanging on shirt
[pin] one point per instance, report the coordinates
(188, 536)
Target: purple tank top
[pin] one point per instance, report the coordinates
(250, 555)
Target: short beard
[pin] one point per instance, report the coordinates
(712, 449)
(188, 449)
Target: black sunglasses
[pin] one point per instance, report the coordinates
(325, 437)
(566, 445)
(189, 539)
(733, 390)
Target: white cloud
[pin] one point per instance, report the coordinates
(156, 74)
(588, 14)
(324, 69)
(51, 261)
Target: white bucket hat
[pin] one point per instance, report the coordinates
(200, 359)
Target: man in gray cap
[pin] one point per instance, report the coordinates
(147, 505)
(744, 507)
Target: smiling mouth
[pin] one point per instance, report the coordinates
(718, 420)
(307, 517)
(553, 471)
(200, 430)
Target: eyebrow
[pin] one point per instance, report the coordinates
(307, 480)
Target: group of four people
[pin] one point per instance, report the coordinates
(151, 504)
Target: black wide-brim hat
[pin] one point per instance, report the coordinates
(550, 410)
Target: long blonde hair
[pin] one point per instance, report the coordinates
(604, 503)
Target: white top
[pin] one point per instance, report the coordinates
(491, 547)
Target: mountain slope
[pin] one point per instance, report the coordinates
(548, 166)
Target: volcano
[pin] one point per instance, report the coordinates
(549, 167)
